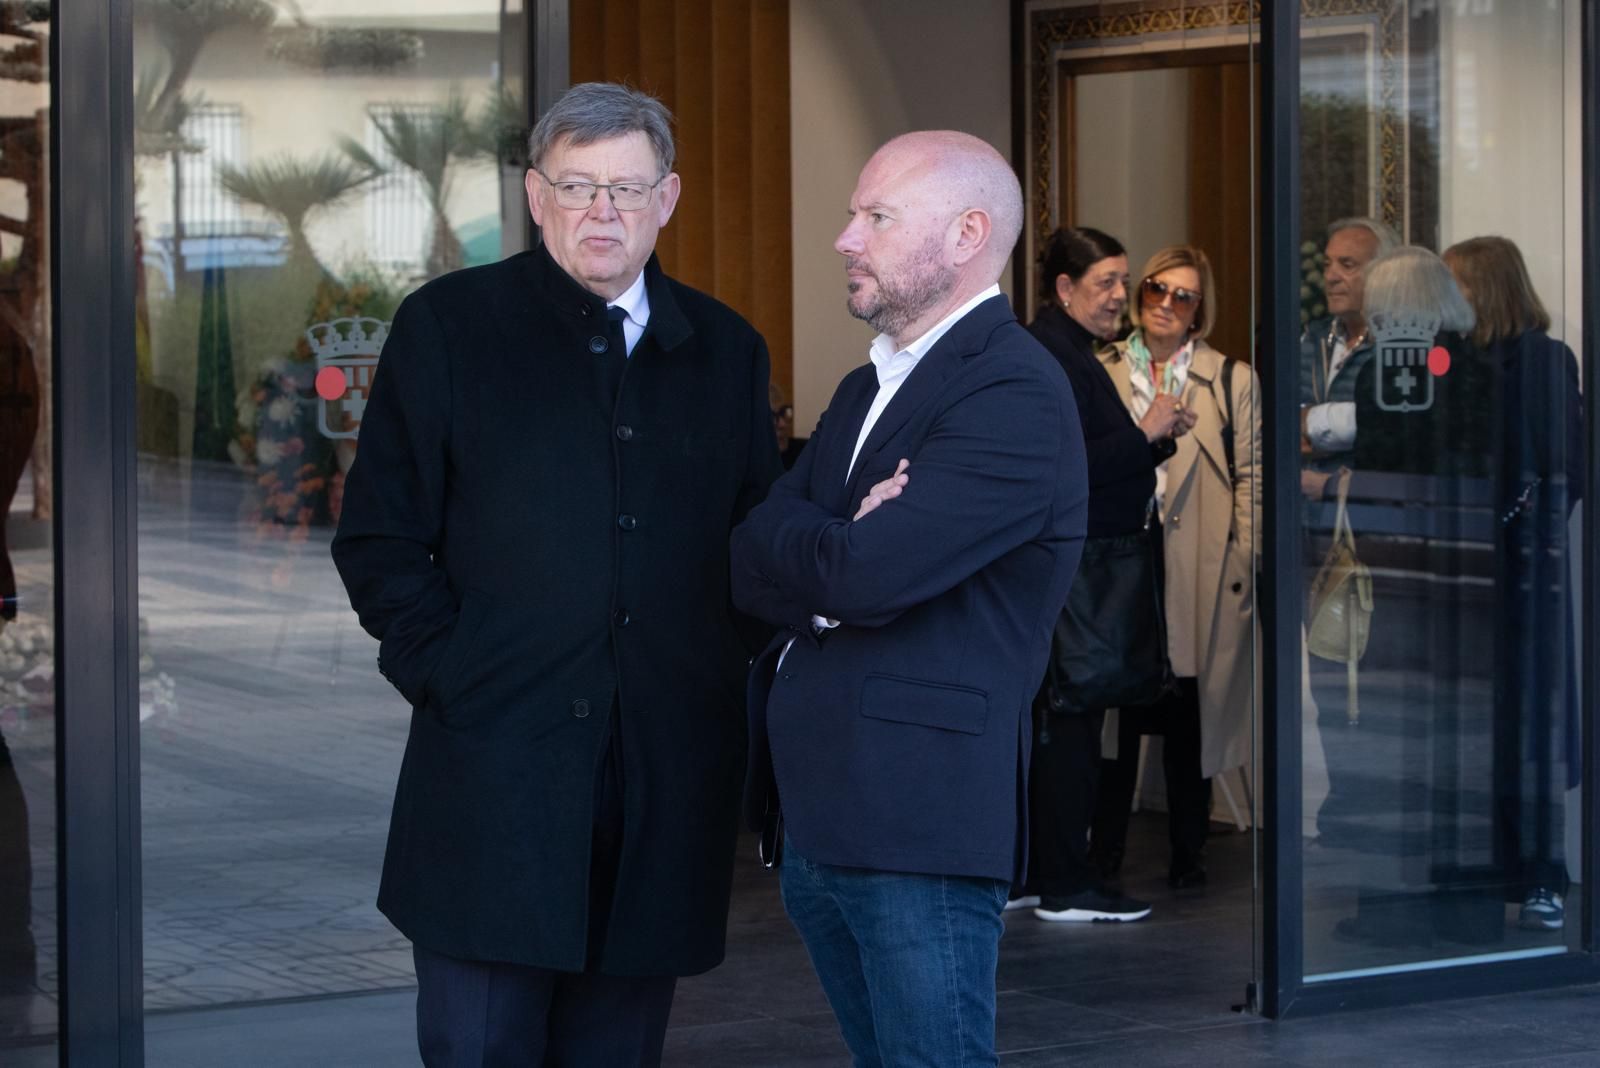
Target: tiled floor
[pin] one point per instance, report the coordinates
(1147, 995)
(267, 774)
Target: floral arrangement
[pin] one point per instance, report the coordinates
(297, 469)
(345, 49)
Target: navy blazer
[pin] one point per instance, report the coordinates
(899, 741)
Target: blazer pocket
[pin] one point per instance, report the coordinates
(925, 704)
(469, 620)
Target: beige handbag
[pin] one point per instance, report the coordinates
(1341, 601)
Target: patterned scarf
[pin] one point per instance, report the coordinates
(1174, 373)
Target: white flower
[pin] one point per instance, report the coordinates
(281, 410)
(269, 451)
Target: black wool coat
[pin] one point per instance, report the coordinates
(1122, 462)
(534, 531)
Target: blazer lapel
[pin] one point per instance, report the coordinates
(1204, 373)
(844, 417)
(966, 338)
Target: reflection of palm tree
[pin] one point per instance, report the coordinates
(294, 189)
(158, 119)
(502, 131)
(428, 144)
(183, 27)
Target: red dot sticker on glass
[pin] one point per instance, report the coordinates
(1438, 361)
(331, 383)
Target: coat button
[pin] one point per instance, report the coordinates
(620, 618)
(1174, 521)
(1238, 587)
(580, 708)
(626, 521)
(585, 311)
(598, 344)
(624, 433)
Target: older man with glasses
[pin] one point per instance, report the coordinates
(536, 531)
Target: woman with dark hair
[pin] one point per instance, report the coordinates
(1539, 477)
(1084, 284)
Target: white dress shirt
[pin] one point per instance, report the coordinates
(894, 367)
(636, 303)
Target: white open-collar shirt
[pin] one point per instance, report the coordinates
(894, 367)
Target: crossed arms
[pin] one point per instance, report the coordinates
(987, 474)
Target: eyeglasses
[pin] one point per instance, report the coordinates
(1156, 293)
(625, 196)
(786, 412)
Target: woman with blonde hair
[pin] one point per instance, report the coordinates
(1203, 507)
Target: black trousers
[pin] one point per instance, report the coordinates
(490, 1013)
(1062, 789)
(483, 1014)
(1176, 717)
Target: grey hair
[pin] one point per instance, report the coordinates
(1413, 280)
(596, 111)
(1388, 240)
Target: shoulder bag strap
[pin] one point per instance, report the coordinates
(1342, 533)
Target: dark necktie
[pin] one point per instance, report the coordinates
(619, 340)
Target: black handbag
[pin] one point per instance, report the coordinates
(1109, 649)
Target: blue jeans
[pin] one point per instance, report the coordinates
(907, 961)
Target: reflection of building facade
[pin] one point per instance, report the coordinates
(256, 102)
(248, 335)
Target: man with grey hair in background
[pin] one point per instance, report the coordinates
(536, 531)
(917, 554)
(1335, 347)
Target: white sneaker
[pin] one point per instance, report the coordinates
(1092, 906)
(1026, 901)
(1542, 911)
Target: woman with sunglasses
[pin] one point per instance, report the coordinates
(1203, 500)
(1084, 286)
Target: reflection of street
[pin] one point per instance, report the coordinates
(266, 782)
(1403, 866)
(28, 978)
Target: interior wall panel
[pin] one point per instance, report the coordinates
(723, 69)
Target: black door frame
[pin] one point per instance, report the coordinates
(1283, 989)
(96, 599)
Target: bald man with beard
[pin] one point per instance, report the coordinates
(915, 559)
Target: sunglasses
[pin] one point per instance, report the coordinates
(1156, 293)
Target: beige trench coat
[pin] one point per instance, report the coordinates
(1209, 528)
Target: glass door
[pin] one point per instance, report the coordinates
(300, 168)
(1143, 128)
(1441, 469)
